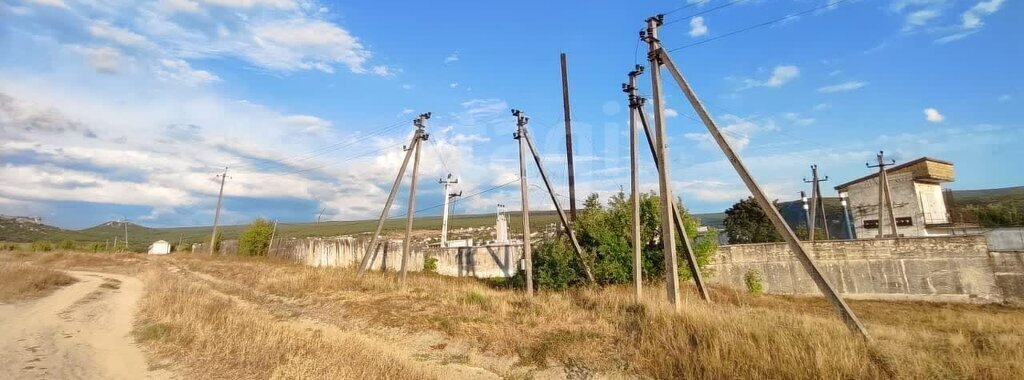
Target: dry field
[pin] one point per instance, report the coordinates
(19, 281)
(259, 318)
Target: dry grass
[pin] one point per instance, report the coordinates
(604, 331)
(19, 281)
(213, 336)
(233, 317)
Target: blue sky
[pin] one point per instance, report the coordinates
(113, 109)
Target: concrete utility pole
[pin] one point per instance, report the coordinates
(524, 194)
(884, 196)
(807, 209)
(320, 216)
(125, 223)
(846, 215)
(273, 233)
(421, 125)
(446, 183)
(668, 239)
(634, 181)
(371, 249)
(558, 207)
(691, 258)
(216, 213)
(568, 140)
(773, 214)
(816, 203)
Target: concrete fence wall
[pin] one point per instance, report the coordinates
(482, 262)
(942, 268)
(1006, 239)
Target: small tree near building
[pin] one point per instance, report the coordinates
(746, 223)
(256, 239)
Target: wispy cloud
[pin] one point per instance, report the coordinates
(781, 75)
(697, 27)
(454, 57)
(842, 87)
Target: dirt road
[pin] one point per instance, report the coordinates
(78, 332)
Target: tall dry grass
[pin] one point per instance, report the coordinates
(212, 336)
(19, 281)
(604, 330)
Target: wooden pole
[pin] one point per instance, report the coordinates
(216, 214)
(524, 193)
(273, 233)
(824, 286)
(370, 249)
(568, 140)
(558, 208)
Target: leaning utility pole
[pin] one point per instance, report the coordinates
(884, 194)
(816, 203)
(421, 125)
(524, 135)
(273, 234)
(634, 182)
(668, 239)
(568, 140)
(216, 214)
(657, 54)
(447, 182)
(691, 258)
(416, 138)
(524, 194)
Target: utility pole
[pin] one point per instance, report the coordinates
(568, 140)
(884, 196)
(668, 238)
(421, 125)
(125, 222)
(524, 194)
(816, 204)
(321, 215)
(846, 215)
(634, 181)
(216, 214)
(773, 214)
(416, 137)
(523, 134)
(273, 234)
(807, 210)
(691, 258)
(446, 183)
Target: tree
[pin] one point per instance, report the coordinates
(605, 234)
(745, 223)
(256, 239)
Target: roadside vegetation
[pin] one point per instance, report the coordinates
(19, 281)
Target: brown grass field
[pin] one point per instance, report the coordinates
(19, 281)
(260, 318)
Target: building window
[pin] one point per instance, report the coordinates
(904, 221)
(873, 223)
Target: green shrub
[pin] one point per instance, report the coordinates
(97, 247)
(430, 265)
(753, 280)
(256, 239)
(67, 244)
(41, 246)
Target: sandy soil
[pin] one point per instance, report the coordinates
(78, 332)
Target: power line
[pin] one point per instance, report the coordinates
(726, 5)
(321, 150)
(333, 163)
(690, 5)
(763, 24)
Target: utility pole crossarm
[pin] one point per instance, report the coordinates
(773, 214)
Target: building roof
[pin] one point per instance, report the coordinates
(925, 169)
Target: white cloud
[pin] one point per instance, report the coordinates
(670, 113)
(972, 17)
(798, 120)
(697, 27)
(453, 84)
(822, 106)
(933, 115)
(282, 4)
(464, 138)
(103, 59)
(308, 124)
(187, 6)
(407, 86)
(179, 71)
(454, 57)
(406, 111)
(920, 18)
(304, 44)
(781, 75)
(384, 71)
(50, 3)
(842, 87)
(104, 30)
(737, 131)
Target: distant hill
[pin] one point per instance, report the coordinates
(25, 229)
(986, 196)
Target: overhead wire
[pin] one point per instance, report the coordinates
(763, 24)
(704, 12)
